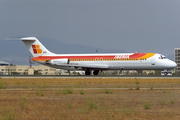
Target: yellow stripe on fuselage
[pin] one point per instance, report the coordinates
(148, 55)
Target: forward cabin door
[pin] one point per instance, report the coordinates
(152, 61)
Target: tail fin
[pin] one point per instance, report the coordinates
(35, 47)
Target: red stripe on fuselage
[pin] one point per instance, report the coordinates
(72, 57)
(40, 58)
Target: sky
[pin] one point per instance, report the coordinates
(124, 25)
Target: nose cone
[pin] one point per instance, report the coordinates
(172, 64)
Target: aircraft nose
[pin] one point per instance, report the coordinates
(173, 64)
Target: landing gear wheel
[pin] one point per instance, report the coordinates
(165, 73)
(87, 72)
(96, 72)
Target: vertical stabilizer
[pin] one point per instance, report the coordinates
(35, 47)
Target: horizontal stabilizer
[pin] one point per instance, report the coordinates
(33, 39)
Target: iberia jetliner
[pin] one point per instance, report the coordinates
(97, 62)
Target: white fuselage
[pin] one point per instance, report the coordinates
(152, 63)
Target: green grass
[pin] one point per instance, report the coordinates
(165, 91)
(81, 92)
(172, 101)
(69, 104)
(126, 110)
(33, 83)
(40, 93)
(23, 102)
(108, 91)
(67, 91)
(137, 82)
(151, 87)
(3, 85)
(58, 92)
(18, 83)
(147, 105)
(45, 86)
(26, 86)
(137, 87)
(8, 114)
(78, 85)
(130, 88)
(91, 104)
(163, 101)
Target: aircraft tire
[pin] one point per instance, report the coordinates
(96, 72)
(87, 72)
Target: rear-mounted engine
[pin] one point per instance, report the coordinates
(57, 61)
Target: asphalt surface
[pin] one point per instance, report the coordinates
(89, 76)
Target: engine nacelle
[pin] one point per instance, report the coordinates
(58, 61)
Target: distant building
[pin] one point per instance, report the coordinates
(177, 59)
(24, 70)
(2, 63)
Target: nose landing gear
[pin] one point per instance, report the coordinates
(165, 73)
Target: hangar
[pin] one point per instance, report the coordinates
(2, 63)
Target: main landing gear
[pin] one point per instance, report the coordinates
(96, 72)
(88, 72)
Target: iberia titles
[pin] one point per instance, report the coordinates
(121, 56)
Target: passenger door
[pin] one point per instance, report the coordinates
(152, 61)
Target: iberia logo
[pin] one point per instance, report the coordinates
(36, 49)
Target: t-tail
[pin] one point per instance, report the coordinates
(35, 47)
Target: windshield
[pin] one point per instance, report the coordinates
(162, 57)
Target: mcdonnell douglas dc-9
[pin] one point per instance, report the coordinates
(97, 62)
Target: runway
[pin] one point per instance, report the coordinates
(92, 76)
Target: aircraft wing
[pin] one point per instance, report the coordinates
(65, 63)
(91, 66)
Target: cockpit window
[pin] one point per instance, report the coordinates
(162, 57)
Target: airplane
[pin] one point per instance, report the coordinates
(93, 63)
